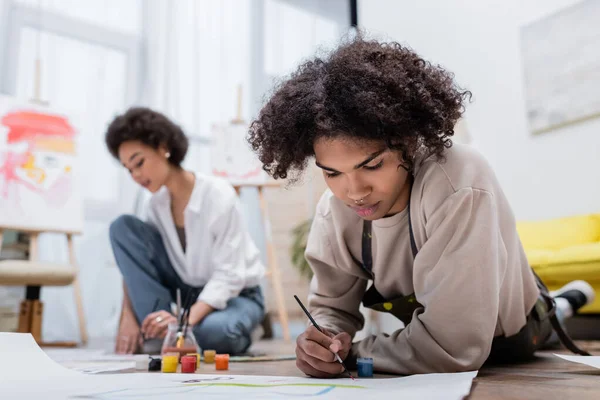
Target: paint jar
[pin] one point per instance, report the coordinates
(155, 364)
(209, 356)
(365, 367)
(188, 364)
(141, 362)
(222, 362)
(169, 363)
(197, 355)
(179, 341)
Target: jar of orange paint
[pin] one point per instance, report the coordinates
(222, 362)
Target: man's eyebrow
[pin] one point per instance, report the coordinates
(324, 167)
(357, 166)
(369, 159)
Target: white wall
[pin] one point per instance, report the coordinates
(548, 175)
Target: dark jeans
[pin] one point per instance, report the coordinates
(148, 274)
(521, 346)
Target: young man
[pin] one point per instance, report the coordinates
(425, 220)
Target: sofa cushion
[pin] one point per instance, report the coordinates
(539, 257)
(561, 274)
(584, 253)
(556, 234)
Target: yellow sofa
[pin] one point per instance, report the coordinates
(565, 249)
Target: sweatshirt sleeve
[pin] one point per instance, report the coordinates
(228, 278)
(334, 295)
(457, 274)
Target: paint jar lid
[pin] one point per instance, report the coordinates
(141, 361)
(365, 360)
(222, 357)
(189, 359)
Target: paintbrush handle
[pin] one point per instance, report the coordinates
(337, 357)
(178, 303)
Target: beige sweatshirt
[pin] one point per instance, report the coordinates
(470, 273)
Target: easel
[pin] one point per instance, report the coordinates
(273, 272)
(34, 275)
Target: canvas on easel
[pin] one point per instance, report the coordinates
(38, 185)
(233, 159)
(39, 192)
(231, 155)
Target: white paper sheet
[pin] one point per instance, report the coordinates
(22, 359)
(71, 384)
(97, 361)
(592, 361)
(95, 367)
(60, 355)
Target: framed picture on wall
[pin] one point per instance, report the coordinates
(561, 66)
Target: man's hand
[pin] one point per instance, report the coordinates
(315, 352)
(155, 324)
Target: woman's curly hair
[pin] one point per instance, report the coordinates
(149, 127)
(362, 90)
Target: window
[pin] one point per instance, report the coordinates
(87, 70)
(90, 68)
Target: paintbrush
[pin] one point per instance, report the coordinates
(337, 357)
(180, 316)
(178, 303)
(189, 300)
(192, 300)
(184, 321)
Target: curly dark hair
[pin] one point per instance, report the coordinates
(149, 127)
(362, 90)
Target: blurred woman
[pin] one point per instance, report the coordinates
(194, 237)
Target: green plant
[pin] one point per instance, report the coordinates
(300, 238)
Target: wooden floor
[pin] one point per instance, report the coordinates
(548, 377)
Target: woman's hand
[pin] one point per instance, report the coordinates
(128, 337)
(155, 324)
(315, 352)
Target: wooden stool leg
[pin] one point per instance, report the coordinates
(274, 267)
(37, 311)
(80, 313)
(25, 316)
(77, 292)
